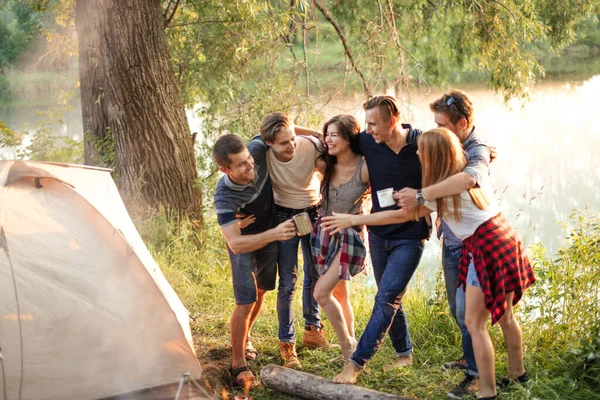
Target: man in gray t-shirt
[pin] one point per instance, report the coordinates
(246, 188)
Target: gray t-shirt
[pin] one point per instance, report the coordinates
(254, 198)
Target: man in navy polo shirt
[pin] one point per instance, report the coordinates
(390, 150)
(246, 189)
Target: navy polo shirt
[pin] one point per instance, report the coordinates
(388, 169)
(254, 198)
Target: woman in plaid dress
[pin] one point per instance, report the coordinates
(493, 264)
(341, 255)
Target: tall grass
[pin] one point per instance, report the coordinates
(560, 318)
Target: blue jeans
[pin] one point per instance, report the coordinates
(457, 302)
(394, 263)
(288, 275)
(249, 271)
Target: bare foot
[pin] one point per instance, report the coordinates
(349, 348)
(401, 362)
(348, 374)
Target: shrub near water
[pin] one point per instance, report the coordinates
(560, 317)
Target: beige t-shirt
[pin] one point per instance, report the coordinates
(296, 183)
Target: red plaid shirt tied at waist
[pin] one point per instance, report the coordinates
(502, 266)
(325, 246)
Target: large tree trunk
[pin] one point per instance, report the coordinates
(142, 103)
(91, 82)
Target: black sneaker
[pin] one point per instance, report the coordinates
(458, 364)
(505, 382)
(468, 386)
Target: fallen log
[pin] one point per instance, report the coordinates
(312, 387)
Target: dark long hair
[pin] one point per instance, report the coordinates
(348, 130)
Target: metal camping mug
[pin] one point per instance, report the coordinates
(303, 224)
(385, 197)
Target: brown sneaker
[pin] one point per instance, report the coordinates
(315, 338)
(288, 353)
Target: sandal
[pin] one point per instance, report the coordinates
(246, 383)
(250, 351)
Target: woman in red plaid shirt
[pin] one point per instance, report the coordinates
(493, 263)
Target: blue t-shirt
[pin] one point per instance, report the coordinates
(388, 169)
(254, 198)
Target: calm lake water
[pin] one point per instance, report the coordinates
(546, 165)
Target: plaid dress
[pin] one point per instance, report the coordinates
(325, 246)
(500, 261)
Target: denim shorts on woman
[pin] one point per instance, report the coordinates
(251, 270)
(472, 274)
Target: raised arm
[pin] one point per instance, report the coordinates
(337, 222)
(302, 131)
(239, 243)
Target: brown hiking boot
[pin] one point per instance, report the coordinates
(315, 338)
(288, 353)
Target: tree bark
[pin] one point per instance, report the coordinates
(91, 75)
(141, 103)
(313, 387)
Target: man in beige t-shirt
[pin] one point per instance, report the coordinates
(294, 170)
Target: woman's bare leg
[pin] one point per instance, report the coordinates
(513, 339)
(324, 295)
(476, 317)
(342, 293)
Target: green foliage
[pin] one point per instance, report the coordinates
(563, 315)
(41, 143)
(46, 146)
(8, 138)
(19, 24)
(588, 32)
(105, 147)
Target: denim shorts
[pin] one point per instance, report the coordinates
(472, 275)
(249, 271)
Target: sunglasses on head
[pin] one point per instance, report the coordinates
(451, 101)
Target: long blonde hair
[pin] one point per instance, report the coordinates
(442, 156)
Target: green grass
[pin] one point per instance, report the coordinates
(562, 348)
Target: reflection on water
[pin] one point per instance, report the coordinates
(546, 163)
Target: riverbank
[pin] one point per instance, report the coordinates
(560, 328)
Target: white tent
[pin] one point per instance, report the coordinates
(85, 311)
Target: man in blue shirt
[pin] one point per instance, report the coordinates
(454, 111)
(246, 189)
(390, 150)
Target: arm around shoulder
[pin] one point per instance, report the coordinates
(302, 131)
(455, 184)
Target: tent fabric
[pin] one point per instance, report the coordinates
(86, 312)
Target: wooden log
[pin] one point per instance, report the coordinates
(312, 387)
